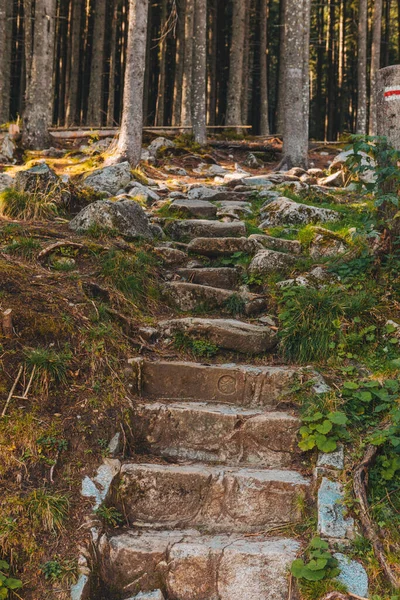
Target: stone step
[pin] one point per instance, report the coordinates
(223, 277)
(223, 246)
(196, 208)
(192, 228)
(212, 498)
(229, 334)
(241, 385)
(190, 296)
(280, 244)
(191, 566)
(216, 433)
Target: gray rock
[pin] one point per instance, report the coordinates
(367, 176)
(315, 172)
(269, 261)
(332, 460)
(229, 334)
(5, 181)
(109, 179)
(154, 595)
(269, 195)
(126, 217)
(220, 277)
(40, 177)
(235, 208)
(352, 575)
(142, 192)
(253, 162)
(223, 246)
(171, 256)
(333, 180)
(189, 229)
(114, 445)
(195, 208)
(326, 244)
(332, 522)
(280, 244)
(7, 149)
(259, 181)
(286, 212)
(99, 487)
(80, 590)
(157, 144)
(208, 193)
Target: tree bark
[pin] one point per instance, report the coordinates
(130, 137)
(280, 88)
(160, 106)
(72, 110)
(264, 120)
(375, 63)
(234, 111)
(296, 82)
(180, 53)
(95, 101)
(188, 65)
(246, 65)
(112, 63)
(39, 98)
(199, 103)
(361, 126)
(5, 62)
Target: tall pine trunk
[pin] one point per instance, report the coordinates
(180, 53)
(130, 137)
(234, 110)
(39, 96)
(199, 109)
(112, 63)
(5, 59)
(280, 88)
(361, 127)
(375, 63)
(95, 101)
(160, 106)
(296, 84)
(264, 120)
(188, 65)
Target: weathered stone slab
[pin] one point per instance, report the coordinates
(196, 208)
(242, 385)
(230, 334)
(171, 256)
(279, 244)
(286, 212)
(197, 567)
(259, 180)
(222, 277)
(212, 194)
(223, 246)
(332, 521)
(217, 433)
(189, 229)
(109, 179)
(190, 296)
(352, 575)
(270, 261)
(216, 498)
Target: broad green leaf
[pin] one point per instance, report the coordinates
(13, 584)
(339, 418)
(317, 565)
(351, 385)
(324, 427)
(297, 568)
(318, 543)
(4, 566)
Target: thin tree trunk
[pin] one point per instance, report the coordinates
(212, 49)
(280, 88)
(5, 60)
(234, 112)
(375, 62)
(180, 53)
(160, 107)
(38, 110)
(295, 134)
(361, 127)
(264, 121)
(95, 101)
(246, 65)
(113, 58)
(199, 83)
(130, 137)
(188, 65)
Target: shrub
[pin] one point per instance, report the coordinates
(28, 205)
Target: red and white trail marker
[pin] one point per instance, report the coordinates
(392, 93)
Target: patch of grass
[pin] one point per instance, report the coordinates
(49, 365)
(312, 320)
(235, 305)
(23, 246)
(139, 176)
(110, 515)
(96, 232)
(47, 510)
(29, 205)
(197, 346)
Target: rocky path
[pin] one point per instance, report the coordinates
(218, 483)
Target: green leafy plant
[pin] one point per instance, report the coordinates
(7, 583)
(59, 570)
(110, 515)
(323, 431)
(235, 305)
(320, 564)
(199, 347)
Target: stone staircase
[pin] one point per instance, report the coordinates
(216, 480)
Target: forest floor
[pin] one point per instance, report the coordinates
(76, 322)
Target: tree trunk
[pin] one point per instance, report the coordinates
(188, 65)
(111, 69)
(5, 62)
(95, 101)
(375, 63)
(38, 109)
(160, 107)
(234, 111)
(130, 137)
(361, 127)
(264, 120)
(246, 65)
(180, 53)
(280, 88)
(199, 103)
(296, 82)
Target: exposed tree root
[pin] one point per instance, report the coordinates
(360, 486)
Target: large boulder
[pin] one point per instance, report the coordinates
(126, 217)
(5, 181)
(286, 212)
(109, 179)
(38, 178)
(195, 208)
(269, 261)
(142, 193)
(159, 143)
